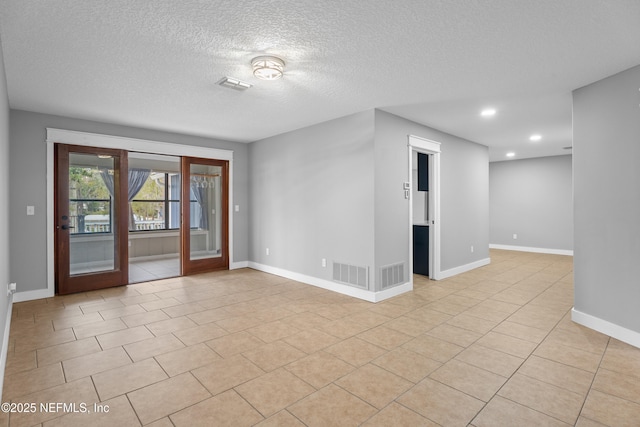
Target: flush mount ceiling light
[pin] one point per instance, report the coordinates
(535, 137)
(267, 67)
(488, 112)
(511, 154)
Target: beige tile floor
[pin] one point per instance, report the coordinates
(491, 347)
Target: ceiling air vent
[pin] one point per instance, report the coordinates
(232, 83)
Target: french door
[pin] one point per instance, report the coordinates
(205, 215)
(90, 218)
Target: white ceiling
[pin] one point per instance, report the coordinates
(155, 64)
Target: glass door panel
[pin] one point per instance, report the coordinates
(205, 213)
(90, 222)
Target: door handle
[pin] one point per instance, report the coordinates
(66, 227)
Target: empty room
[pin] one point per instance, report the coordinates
(298, 213)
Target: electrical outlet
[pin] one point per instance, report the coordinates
(324, 262)
(267, 251)
(515, 236)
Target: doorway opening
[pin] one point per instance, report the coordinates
(154, 217)
(424, 208)
(120, 215)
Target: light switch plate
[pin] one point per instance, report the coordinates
(31, 210)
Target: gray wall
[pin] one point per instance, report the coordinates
(464, 193)
(312, 197)
(606, 139)
(27, 168)
(5, 276)
(533, 199)
(334, 191)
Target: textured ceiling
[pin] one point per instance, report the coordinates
(154, 64)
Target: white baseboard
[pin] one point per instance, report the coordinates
(607, 328)
(333, 286)
(31, 295)
(534, 250)
(5, 343)
(239, 264)
(464, 268)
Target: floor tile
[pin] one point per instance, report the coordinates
(188, 358)
(621, 357)
(398, 415)
(171, 325)
(27, 382)
(232, 344)
(616, 384)
(454, 335)
(60, 352)
(81, 391)
(98, 328)
(224, 374)
(407, 364)
(384, 337)
(21, 362)
(320, 369)
(85, 366)
(433, 348)
(355, 351)
(125, 336)
(523, 332)
(571, 356)
(124, 379)
(507, 344)
(491, 360)
(225, 409)
(199, 334)
(546, 398)
(558, 374)
(134, 320)
(469, 379)
(311, 340)
(374, 385)
(440, 403)
(113, 313)
(610, 410)
(153, 347)
(274, 355)
(501, 412)
(300, 355)
(273, 331)
(26, 343)
(114, 412)
(77, 320)
(332, 407)
(281, 419)
(274, 391)
(166, 397)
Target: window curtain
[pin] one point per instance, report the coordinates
(174, 207)
(136, 179)
(199, 191)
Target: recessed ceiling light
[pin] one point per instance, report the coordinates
(511, 154)
(267, 67)
(488, 112)
(535, 137)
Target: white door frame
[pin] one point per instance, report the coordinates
(432, 148)
(124, 143)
